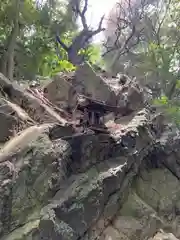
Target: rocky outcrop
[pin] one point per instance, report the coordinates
(34, 107)
(118, 180)
(119, 91)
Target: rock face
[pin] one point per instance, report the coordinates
(60, 182)
(60, 92)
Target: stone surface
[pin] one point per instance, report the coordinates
(35, 108)
(57, 182)
(37, 168)
(13, 119)
(88, 83)
(61, 92)
(164, 236)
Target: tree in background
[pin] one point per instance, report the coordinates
(82, 40)
(146, 44)
(28, 37)
(126, 28)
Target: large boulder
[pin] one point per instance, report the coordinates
(61, 92)
(119, 91)
(66, 90)
(128, 92)
(88, 83)
(30, 168)
(34, 169)
(91, 194)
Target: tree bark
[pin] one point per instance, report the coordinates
(7, 66)
(82, 40)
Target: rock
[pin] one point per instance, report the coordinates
(88, 149)
(36, 169)
(129, 226)
(128, 92)
(20, 141)
(79, 207)
(13, 109)
(37, 110)
(112, 233)
(164, 236)
(135, 98)
(163, 191)
(13, 119)
(58, 131)
(51, 228)
(27, 231)
(4, 81)
(88, 83)
(8, 125)
(120, 96)
(60, 92)
(60, 182)
(131, 94)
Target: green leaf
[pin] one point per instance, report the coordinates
(178, 84)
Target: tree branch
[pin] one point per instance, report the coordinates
(82, 40)
(127, 34)
(63, 45)
(82, 13)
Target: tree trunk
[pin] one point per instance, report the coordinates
(7, 66)
(11, 49)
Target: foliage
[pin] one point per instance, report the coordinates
(93, 54)
(154, 57)
(35, 49)
(162, 63)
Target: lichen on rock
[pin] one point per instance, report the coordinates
(67, 178)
